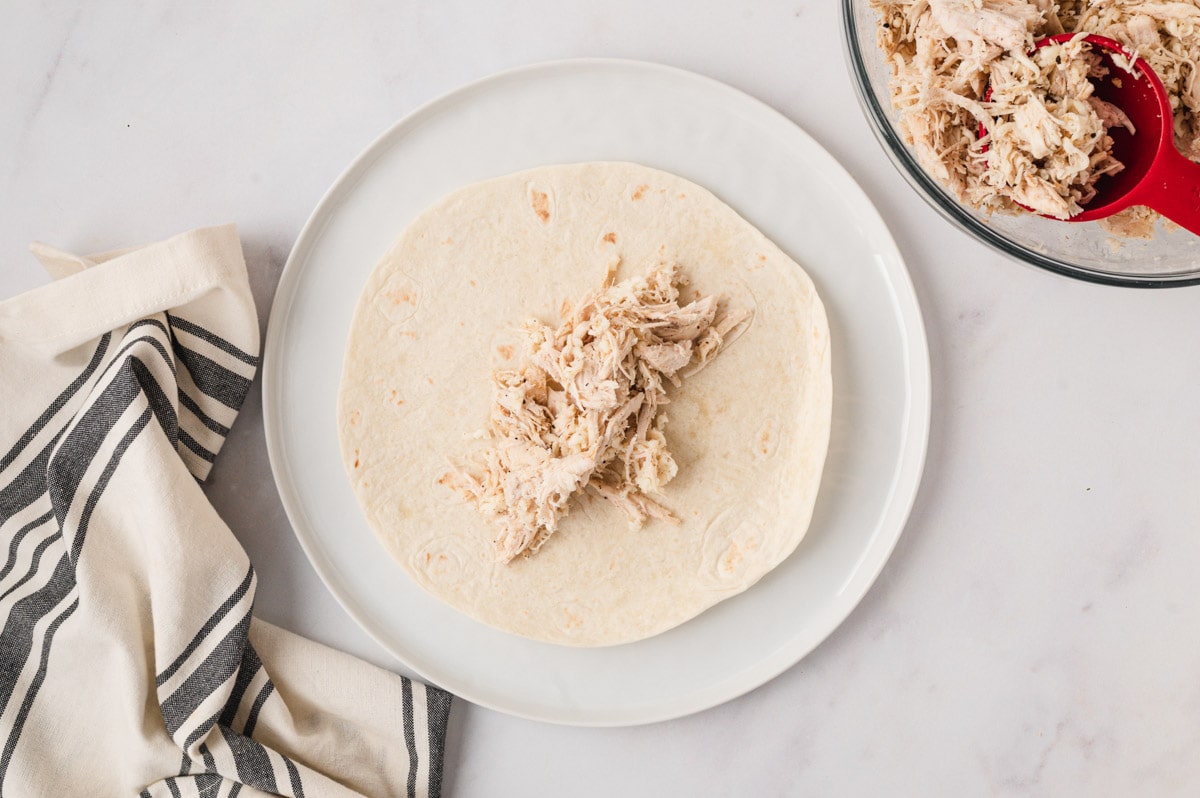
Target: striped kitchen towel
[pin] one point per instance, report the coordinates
(130, 660)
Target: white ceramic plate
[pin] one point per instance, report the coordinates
(768, 170)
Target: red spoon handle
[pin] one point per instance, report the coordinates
(1172, 187)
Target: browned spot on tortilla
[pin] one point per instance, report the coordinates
(765, 440)
(403, 295)
(354, 417)
(541, 206)
(448, 240)
(682, 195)
(573, 620)
(639, 191)
(505, 351)
(445, 479)
(610, 238)
(429, 380)
(732, 557)
(356, 458)
(472, 282)
(428, 557)
(407, 333)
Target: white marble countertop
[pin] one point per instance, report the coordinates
(1035, 631)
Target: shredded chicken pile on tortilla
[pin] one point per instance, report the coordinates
(582, 411)
(945, 53)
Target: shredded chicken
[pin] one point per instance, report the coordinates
(1046, 141)
(582, 410)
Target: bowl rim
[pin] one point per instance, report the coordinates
(915, 175)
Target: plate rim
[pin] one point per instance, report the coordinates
(902, 492)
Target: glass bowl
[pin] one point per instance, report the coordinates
(1076, 249)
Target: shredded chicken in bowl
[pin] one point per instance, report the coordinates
(1046, 141)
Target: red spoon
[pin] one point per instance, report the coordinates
(1156, 174)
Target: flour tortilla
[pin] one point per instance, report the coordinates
(443, 309)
